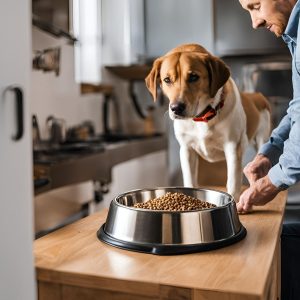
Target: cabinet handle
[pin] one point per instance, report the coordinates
(19, 110)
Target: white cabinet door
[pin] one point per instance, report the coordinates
(16, 220)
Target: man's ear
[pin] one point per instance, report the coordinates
(153, 77)
(218, 73)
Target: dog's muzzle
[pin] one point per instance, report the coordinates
(178, 108)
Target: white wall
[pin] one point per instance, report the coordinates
(61, 97)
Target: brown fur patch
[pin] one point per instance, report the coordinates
(253, 104)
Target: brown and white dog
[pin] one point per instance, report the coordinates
(211, 117)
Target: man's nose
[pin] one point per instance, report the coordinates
(257, 22)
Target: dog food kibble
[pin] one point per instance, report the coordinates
(174, 202)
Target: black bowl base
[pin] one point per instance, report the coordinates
(159, 249)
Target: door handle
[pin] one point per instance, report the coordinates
(19, 110)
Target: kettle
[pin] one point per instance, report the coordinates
(57, 129)
(36, 139)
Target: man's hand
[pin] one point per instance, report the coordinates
(257, 168)
(261, 189)
(259, 193)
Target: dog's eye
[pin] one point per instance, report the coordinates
(167, 80)
(193, 77)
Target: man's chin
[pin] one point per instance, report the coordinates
(278, 34)
(277, 31)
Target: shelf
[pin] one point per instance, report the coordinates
(130, 72)
(50, 28)
(65, 169)
(89, 88)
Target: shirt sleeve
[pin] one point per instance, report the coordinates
(274, 147)
(282, 173)
(287, 171)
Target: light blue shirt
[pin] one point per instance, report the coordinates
(283, 147)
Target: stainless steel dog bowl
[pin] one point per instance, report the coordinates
(171, 232)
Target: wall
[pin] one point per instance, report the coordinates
(60, 96)
(173, 22)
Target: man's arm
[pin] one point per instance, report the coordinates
(266, 181)
(287, 171)
(274, 147)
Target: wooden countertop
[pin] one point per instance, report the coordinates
(73, 258)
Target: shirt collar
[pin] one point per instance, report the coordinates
(291, 30)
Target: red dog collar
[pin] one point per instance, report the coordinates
(210, 112)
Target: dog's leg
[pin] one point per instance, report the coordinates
(233, 154)
(189, 165)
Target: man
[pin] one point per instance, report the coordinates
(277, 166)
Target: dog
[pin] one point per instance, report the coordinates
(211, 117)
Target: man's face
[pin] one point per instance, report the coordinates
(271, 14)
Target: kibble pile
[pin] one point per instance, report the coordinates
(174, 202)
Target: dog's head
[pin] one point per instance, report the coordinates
(189, 77)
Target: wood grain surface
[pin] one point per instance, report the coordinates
(74, 264)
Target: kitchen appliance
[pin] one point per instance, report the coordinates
(36, 138)
(57, 129)
(273, 80)
(171, 232)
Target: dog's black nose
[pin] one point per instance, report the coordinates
(178, 108)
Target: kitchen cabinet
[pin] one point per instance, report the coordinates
(169, 23)
(16, 222)
(72, 263)
(234, 34)
(222, 27)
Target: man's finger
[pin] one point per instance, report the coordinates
(239, 207)
(244, 205)
(243, 208)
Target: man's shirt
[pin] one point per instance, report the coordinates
(283, 147)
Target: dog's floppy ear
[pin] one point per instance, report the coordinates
(153, 77)
(218, 74)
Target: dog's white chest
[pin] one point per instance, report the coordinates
(206, 142)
